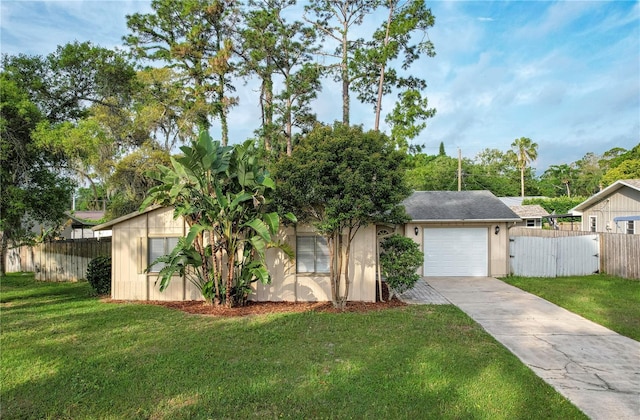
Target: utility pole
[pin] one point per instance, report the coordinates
(459, 169)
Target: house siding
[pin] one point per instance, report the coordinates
(130, 259)
(622, 202)
(287, 285)
(129, 251)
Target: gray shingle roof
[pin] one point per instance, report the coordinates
(457, 206)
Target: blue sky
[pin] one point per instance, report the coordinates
(565, 74)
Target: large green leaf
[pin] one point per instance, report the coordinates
(268, 182)
(292, 217)
(262, 274)
(260, 228)
(259, 245)
(273, 221)
(240, 198)
(193, 233)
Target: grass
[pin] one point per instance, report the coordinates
(610, 301)
(66, 354)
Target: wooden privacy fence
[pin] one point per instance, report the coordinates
(540, 253)
(65, 260)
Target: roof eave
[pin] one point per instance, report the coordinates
(464, 220)
(108, 225)
(601, 194)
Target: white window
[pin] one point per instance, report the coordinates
(531, 222)
(631, 227)
(312, 254)
(592, 223)
(159, 247)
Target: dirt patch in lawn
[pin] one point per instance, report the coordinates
(263, 308)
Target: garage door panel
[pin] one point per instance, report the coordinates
(456, 252)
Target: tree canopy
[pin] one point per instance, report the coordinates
(32, 192)
(339, 179)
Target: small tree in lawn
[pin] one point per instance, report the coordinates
(341, 179)
(222, 192)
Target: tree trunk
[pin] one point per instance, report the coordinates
(4, 245)
(289, 128)
(332, 266)
(199, 246)
(223, 111)
(347, 280)
(340, 299)
(230, 263)
(267, 87)
(381, 81)
(522, 180)
(345, 76)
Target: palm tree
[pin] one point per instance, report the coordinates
(526, 151)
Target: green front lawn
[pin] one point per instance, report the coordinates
(610, 301)
(65, 354)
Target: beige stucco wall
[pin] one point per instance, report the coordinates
(129, 250)
(498, 244)
(622, 202)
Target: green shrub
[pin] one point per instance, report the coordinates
(99, 275)
(399, 260)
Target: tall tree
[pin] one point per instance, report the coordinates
(407, 119)
(158, 108)
(32, 192)
(433, 173)
(372, 77)
(559, 177)
(83, 92)
(625, 165)
(194, 38)
(336, 20)
(524, 152)
(340, 179)
(66, 83)
(589, 174)
(130, 181)
(275, 50)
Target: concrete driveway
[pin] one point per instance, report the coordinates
(595, 368)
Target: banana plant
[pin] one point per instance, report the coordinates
(223, 194)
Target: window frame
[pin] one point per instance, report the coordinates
(318, 245)
(593, 223)
(169, 243)
(630, 227)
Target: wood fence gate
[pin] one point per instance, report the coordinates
(555, 257)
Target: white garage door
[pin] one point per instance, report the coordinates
(456, 252)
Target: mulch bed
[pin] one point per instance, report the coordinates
(263, 308)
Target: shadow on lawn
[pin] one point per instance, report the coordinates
(144, 361)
